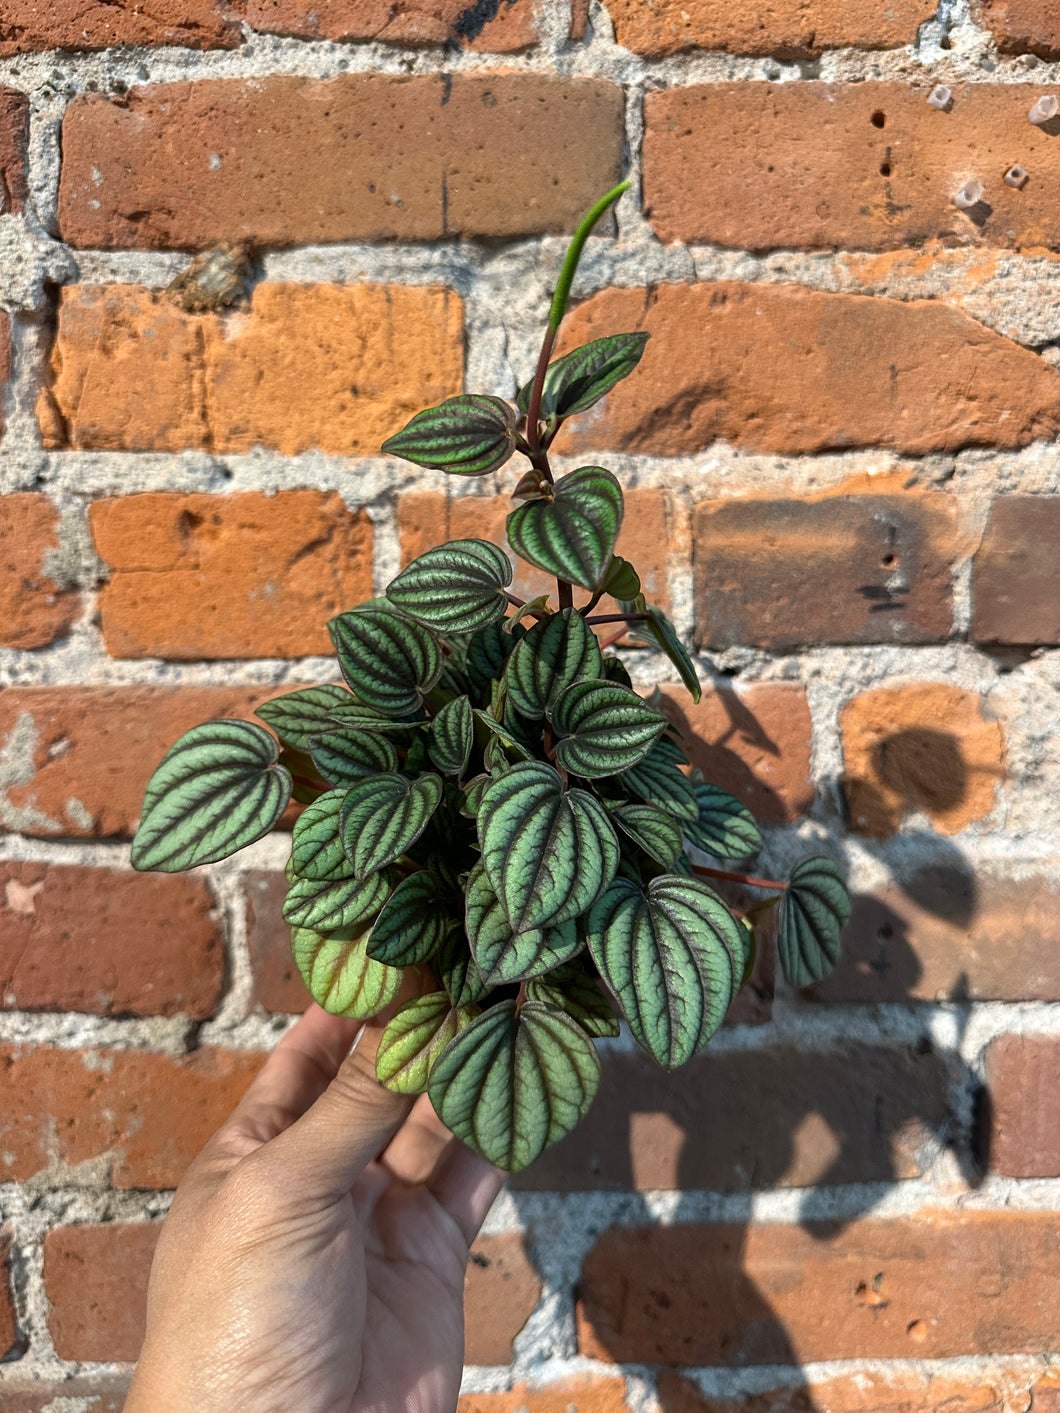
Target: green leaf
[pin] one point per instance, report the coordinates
(456, 587)
(457, 970)
(487, 652)
(414, 1037)
(345, 757)
(657, 781)
(341, 976)
(615, 671)
(652, 830)
(389, 659)
(813, 913)
(573, 535)
(657, 631)
(556, 652)
(513, 747)
(451, 736)
(218, 789)
(412, 924)
(334, 903)
(578, 379)
(724, 828)
(469, 435)
(548, 853)
(515, 1081)
(606, 728)
(383, 816)
(672, 957)
(473, 795)
(355, 716)
(296, 716)
(571, 988)
(316, 846)
(621, 580)
(503, 956)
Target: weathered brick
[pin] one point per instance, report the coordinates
(277, 984)
(229, 576)
(14, 134)
(512, 26)
(865, 166)
(34, 608)
(933, 1286)
(832, 569)
(855, 1113)
(922, 748)
(9, 1335)
(598, 1394)
(1019, 1134)
(136, 1116)
(107, 942)
(781, 368)
(287, 161)
(77, 25)
(790, 29)
(1022, 26)
(755, 743)
(92, 1395)
(333, 367)
(870, 1391)
(946, 932)
(96, 1279)
(1016, 572)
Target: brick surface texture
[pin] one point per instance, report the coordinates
(242, 243)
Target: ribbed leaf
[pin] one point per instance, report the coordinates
(218, 789)
(657, 631)
(573, 989)
(657, 781)
(473, 795)
(580, 378)
(456, 587)
(503, 956)
(573, 535)
(412, 924)
(655, 831)
(469, 435)
(813, 913)
(724, 828)
(514, 749)
(606, 728)
(345, 757)
(548, 853)
(316, 846)
(334, 903)
(341, 976)
(355, 716)
(389, 659)
(383, 816)
(414, 1037)
(615, 671)
(621, 580)
(673, 958)
(487, 652)
(296, 716)
(451, 737)
(457, 970)
(557, 651)
(515, 1081)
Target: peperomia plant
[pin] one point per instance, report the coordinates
(487, 799)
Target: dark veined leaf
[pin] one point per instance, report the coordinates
(724, 828)
(533, 608)
(488, 651)
(341, 976)
(657, 631)
(672, 956)
(556, 652)
(657, 781)
(813, 912)
(316, 846)
(457, 970)
(503, 956)
(296, 716)
(615, 671)
(501, 732)
(389, 659)
(456, 587)
(355, 716)
(606, 728)
(451, 736)
(571, 988)
(621, 580)
(414, 1037)
(515, 1081)
(345, 757)
(469, 435)
(580, 378)
(473, 795)
(383, 816)
(334, 903)
(218, 789)
(549, 853)
(573, 535)
(653, 830)
(412, 924)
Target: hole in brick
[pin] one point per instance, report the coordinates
(878, 119)
(1045, 110)
(885, 169)
(941, 97)
(969, 196)
(1017, 177)
(888, 560)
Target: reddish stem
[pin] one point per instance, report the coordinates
(738, 878)
(619, 618)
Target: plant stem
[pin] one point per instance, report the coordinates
(514, 600)
(619, 618)
(614, 638)
(566, 594)
(738, 878)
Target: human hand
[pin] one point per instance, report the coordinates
(314, 1255)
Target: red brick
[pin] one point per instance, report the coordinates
(73, 24)
(133, 1115)
(577, 1395)
(14, 134)
(106, 1395)
(890, 1391)
(305, 366)
(513, 26)
(790, 29)
(1021, 26)
(278, 984)
(925, 747)
(865, 166)
(832, 569)
(10, 1343)
(755, 743)
(79, 758)
(948, 933)
(1016, 572)
(855, 1113)
(107, 942)
(1020, 1137)
(501, 1289)
(288, 161)
(232, 576)
(780, 368)
(933, 1286)
(34, 608)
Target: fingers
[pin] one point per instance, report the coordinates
(412, 1153)
(465, 1185)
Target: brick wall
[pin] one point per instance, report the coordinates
(843, 449)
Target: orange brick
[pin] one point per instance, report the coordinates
(1016, 572)
(9, 1335)
(1021, 26)
(582, 1395)
(893, 1391)
(278, 984)
(14, 134)
(790, 29)
(71, 24)
(1018, 1137)
(513, 26)
(34, 609)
